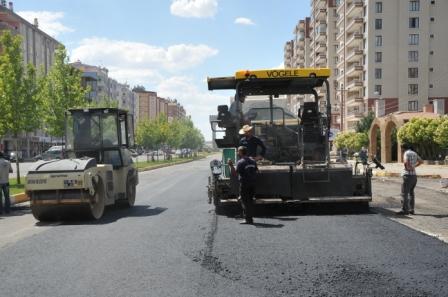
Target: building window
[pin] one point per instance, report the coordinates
(432, 19)
(413, 72)
(431, 53)
(413, 39)
(412, 105)
(431, 69)
(379, 40)
(378, 57)
(431, 36)
(431, 86)
(379, 7)
(414, 5)
(413, 23)
(413, 89)
(378, 73)
(378, 24)
(378, 90)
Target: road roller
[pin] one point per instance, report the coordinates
(97, 169)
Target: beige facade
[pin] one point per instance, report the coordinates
(385, 56)
(315, 45)
(391, 56)
(146, 105)
(38, 47)
(175, 111)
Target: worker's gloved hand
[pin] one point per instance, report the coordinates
(230, 162)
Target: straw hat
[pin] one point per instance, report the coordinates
(245, 129)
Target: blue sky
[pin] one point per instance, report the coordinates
(171, 46)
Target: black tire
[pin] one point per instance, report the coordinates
(97, 203)
(131, 192)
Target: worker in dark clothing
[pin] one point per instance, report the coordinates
(252, 142)
(246, 169)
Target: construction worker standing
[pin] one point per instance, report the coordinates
(252, 142)
(246, 169)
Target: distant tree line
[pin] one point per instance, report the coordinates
(160, 133)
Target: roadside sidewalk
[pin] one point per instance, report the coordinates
(424, 170)
(431, 205)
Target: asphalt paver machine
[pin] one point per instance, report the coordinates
(297, 166)
(98, 169)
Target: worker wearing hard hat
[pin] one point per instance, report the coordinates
(252, 143)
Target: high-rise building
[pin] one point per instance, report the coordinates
(146, 105)
(288, 54)
(38, 47)
(103, 87)
(175, 110)
(315, 45)
(385, 56)
(392, 56)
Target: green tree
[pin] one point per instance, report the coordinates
(59, 91)
(353, 141)
(441, 133)
(363, 126)
(420, 132)
(21, 108)
(103, 102)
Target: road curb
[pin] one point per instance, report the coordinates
(19, 198)
(168, 165)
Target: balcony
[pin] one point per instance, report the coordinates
(354, 101)
(321, 15)
(321, 48)
(340, 36)
(354, 71)
(340, 64)
(355, 25)
(355, 9)
(340, 20)
(321, 4)
(354, 55)
(355, 84)
(340, 9)
(355, 39)
(340, 50)
(321, 37)
(321, 59)
(354, 115)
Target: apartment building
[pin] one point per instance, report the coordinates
(385, 56)
(38, 49)
(289, 54)
(146, 105)
(315, 45)
(391, 57)
(175, 111)
(103, 87)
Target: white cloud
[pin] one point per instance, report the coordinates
(140, 63)
(244, 21)
(131, 55)
(194, 8)
(198, 102)
(49, 21)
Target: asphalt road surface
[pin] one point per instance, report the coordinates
(172, 244)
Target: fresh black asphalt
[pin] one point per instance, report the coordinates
(172, 244)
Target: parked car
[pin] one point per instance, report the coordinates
(54, 152)
(14, 154)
